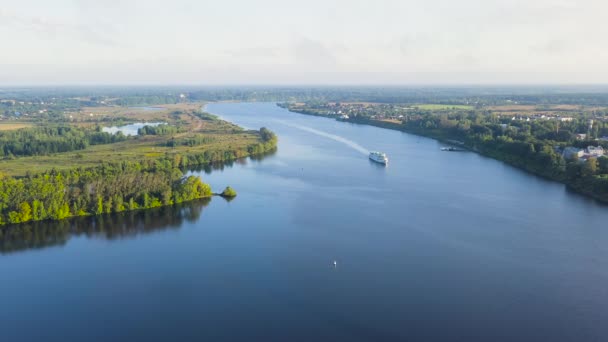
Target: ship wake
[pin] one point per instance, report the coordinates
(334, 137)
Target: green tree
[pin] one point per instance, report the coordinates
(99, 209)
(589, 168)
(25, 211)
(228, 192)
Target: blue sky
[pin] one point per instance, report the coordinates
(303, 42)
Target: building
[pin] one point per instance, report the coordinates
(593, 151)
(581, 136)
(572, 152)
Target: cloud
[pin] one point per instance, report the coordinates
(414, 44)
(552, 47)
(252, 52)
(49, 28)
(312, 53)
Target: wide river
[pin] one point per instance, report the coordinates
(438, 246)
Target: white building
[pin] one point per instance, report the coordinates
(593, 151)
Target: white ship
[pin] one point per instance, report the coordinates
(378, 157)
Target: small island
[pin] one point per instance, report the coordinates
(228, 192)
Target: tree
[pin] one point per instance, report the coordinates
(25, 211)
(589, 168)
(228, 192)
(99, 209)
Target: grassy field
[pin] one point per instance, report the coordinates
(222, 136)
(88, 116)
(13, 126)
(430, 106)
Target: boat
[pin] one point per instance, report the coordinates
(451, 149)
(378, 157)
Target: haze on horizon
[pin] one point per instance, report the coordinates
(311, 42)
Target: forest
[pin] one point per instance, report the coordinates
(106, 189)
(46, 140)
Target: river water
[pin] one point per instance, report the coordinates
(438, 246)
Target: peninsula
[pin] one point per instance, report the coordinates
(68, 157)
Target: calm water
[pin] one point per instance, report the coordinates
(439, 246)
(130, 129)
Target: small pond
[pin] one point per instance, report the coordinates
(130, 129)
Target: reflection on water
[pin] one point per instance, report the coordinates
(36, 235)
(130, 129)
(42, 234)
(221, 166)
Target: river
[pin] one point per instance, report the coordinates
(438, 246)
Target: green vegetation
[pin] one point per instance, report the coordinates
(70, 169)
(228, 192)
(108, 188)
(442, 106)
(158, 130)
(54, 139)
(185, 137)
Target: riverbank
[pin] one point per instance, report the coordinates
(131, 173)
(588, 187)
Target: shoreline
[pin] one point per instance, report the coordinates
(124, 185)
(446, 140)
(4, 226)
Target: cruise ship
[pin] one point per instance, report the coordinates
(378, 157)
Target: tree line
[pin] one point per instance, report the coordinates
(40, 234)
(52, 139)
(159, 130)
(534, 146)
(109, 188)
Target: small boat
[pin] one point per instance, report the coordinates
(451, 149)
(378, 157)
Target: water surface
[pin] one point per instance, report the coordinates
(130, 129)
(437, 246)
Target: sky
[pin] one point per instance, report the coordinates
(316, 42)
